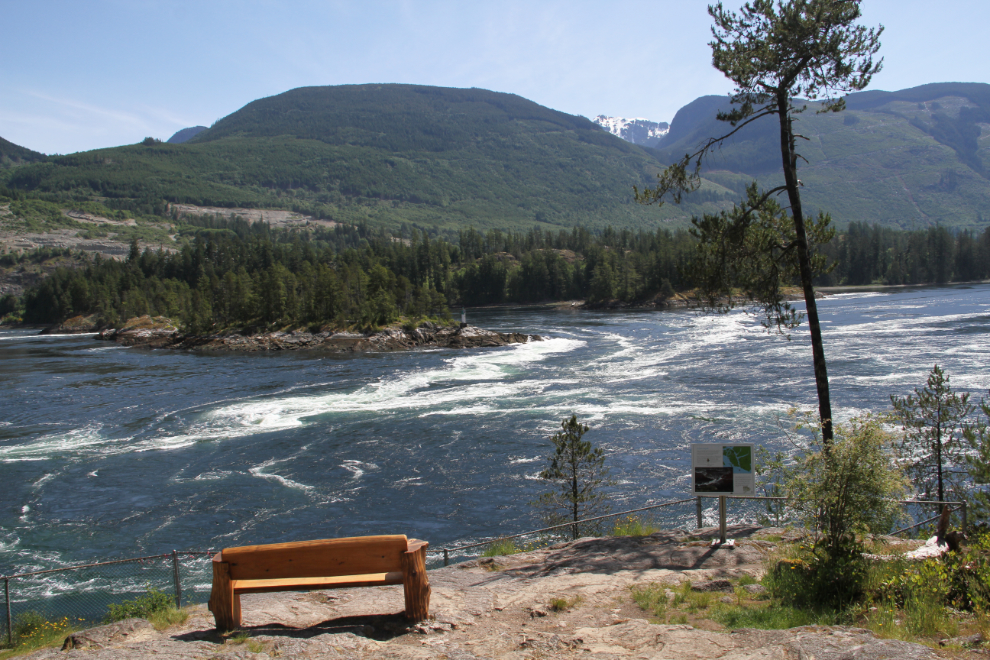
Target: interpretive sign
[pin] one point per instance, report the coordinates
(718, 469)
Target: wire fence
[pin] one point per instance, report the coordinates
(82, 595)
(695, 513)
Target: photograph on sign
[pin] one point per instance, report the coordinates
(718, 469)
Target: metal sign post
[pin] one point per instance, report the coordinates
(722, 470)
(721, 519)
(10, 627)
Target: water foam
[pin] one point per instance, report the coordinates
(77, 441)
(259, 471)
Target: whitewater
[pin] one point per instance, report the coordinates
(109, 452)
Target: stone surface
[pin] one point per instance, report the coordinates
(128, 631)
(712, 585)
(483, 613)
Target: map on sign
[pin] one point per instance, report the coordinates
(718, 469)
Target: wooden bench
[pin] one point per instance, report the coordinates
(360, 561)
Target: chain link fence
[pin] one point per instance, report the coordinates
(81, 596)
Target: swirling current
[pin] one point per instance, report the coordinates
(108, 451)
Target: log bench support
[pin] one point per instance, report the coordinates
(362, 561)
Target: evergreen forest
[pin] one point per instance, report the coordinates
(232, 274)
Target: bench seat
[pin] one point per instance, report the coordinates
(315, 584)
(360, 561)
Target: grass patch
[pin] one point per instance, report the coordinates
(633, 526)
(501, 548)
(242, 637)
(747, 579)
(771, 617)
(651, 598)
(563, 604)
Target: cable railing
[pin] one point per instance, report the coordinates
(83, 594)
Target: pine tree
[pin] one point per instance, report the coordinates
(775, 52)
(578, 470)
(933, 420)
(977, 435)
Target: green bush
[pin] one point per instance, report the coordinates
(848, 487)
(822, 576)
(144, 607)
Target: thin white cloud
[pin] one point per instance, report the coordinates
(116, 115)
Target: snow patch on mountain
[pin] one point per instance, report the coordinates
(636, 129)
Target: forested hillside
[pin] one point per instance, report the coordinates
(913, 158)
(12, 155)
(232, 274)
(386, 154)
(444, 159)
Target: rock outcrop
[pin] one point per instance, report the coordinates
(508, 608)
(75, 325)
(160, 332)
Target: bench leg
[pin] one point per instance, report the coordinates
(224, 603)
(416, 585)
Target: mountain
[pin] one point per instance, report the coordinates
(448, 159)
(186, 134)
(12, 155)
(911, 158)
(637, 130)
(387, 154)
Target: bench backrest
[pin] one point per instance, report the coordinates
(357, 555)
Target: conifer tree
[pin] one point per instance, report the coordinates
(933, 420)
(578, 470)
(775, 52)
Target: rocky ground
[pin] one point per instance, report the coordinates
(503, 608)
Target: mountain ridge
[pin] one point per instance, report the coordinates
(442, 158)
(910, 158)
(13, 155)
(446, 159)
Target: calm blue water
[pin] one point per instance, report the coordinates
(115, 452)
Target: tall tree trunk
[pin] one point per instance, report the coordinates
(789, 157)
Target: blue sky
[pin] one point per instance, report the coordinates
(79, 75)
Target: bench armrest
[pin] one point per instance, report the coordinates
(415, 545)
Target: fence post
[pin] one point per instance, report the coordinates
(698, 511)
(175, 574)
(964, 516)
(10, 625)
(446, 558)
(721, 518)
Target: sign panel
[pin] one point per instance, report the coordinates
(718, 469)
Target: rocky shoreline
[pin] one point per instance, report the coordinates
(160, 332)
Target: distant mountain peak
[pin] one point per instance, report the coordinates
(637, 130)
(186, 134)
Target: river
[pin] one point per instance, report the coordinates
(108, 451)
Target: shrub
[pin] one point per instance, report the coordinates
(848, 487)
(144, 607)
(821, 576)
